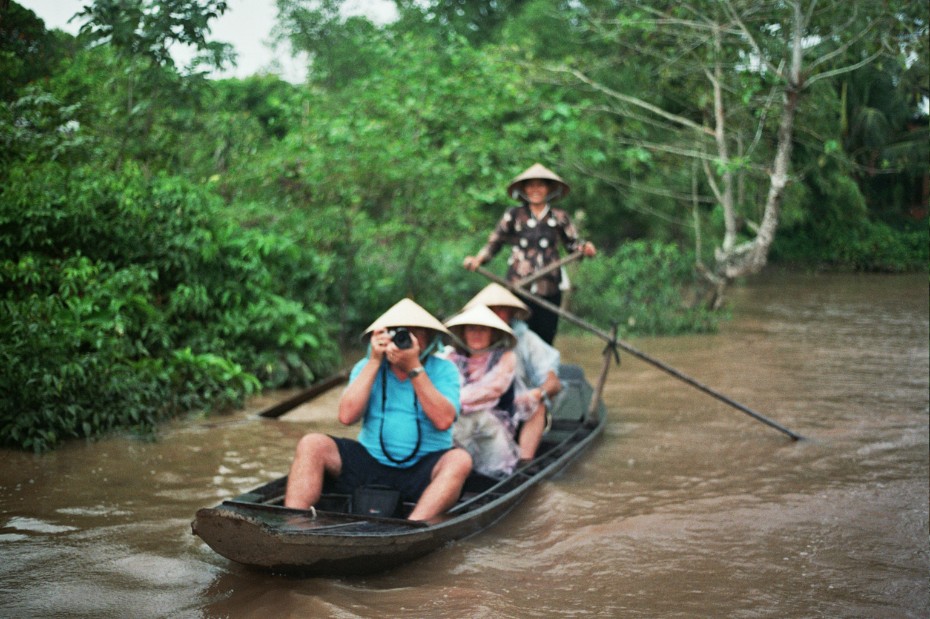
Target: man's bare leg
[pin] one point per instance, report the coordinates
(531, 433)
(316, 454)
(444, 490)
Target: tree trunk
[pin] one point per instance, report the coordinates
(750, 257)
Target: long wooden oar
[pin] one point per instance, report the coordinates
(529, 279)
(639, 354)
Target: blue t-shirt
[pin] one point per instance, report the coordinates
(404, 414)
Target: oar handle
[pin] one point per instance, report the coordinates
(636, 353)
(529, 279)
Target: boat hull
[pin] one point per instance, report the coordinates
(255, 529)
(298, 543)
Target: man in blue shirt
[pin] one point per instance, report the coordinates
(407, 399)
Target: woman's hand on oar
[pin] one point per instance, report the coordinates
(529, 279)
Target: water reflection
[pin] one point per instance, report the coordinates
(685, 507)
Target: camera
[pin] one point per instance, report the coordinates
(401, 338)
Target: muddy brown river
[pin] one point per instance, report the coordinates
(686, 507)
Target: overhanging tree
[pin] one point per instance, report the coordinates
(132, 44)
(726, 81)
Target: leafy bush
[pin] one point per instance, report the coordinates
(642, 288)
(862, 246)
(71, 367)
(127, 299)
(879, 247)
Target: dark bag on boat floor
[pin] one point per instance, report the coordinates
(375, 501)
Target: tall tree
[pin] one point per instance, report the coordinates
(728, 78)
(27, 50)
(340, 49)
(478, 21)
(131, 66)
(151, 28)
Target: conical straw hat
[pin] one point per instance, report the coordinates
(496, 295)
(406, 313)
(538, 171)
(480, 315)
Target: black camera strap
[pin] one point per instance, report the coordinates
(416, 420)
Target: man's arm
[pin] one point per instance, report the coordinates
(552, 385)
(440, 411)
(354, 400)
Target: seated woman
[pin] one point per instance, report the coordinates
(487, 364)
(537, 380)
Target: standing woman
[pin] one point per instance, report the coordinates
(535, 229)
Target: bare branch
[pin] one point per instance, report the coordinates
(765, 114)
(629, 114)
(712, 181)
(657, 191)
(667, 148)
(752, 41)
(681, 120)
(842, 48)
(810, 11)
(618, 184)
(842, 70)
(663, 18)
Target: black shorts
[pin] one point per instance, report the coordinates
(359, 468)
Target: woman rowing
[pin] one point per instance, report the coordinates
(535, 230)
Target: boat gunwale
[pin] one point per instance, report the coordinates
(455, 516)
(254, 528)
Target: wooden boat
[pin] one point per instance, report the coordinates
(256, 530)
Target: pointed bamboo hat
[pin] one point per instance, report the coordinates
(480, 315)
(538, 171)
(496, 295)
(406, 313)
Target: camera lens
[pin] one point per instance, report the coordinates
(401, 338)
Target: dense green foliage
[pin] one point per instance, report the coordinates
(644, 288)
(170, 243)
(128, 299)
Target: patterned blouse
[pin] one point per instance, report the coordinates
(535, 244)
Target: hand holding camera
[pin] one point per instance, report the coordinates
(398, 345)
(405, 353)
(401, 338)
